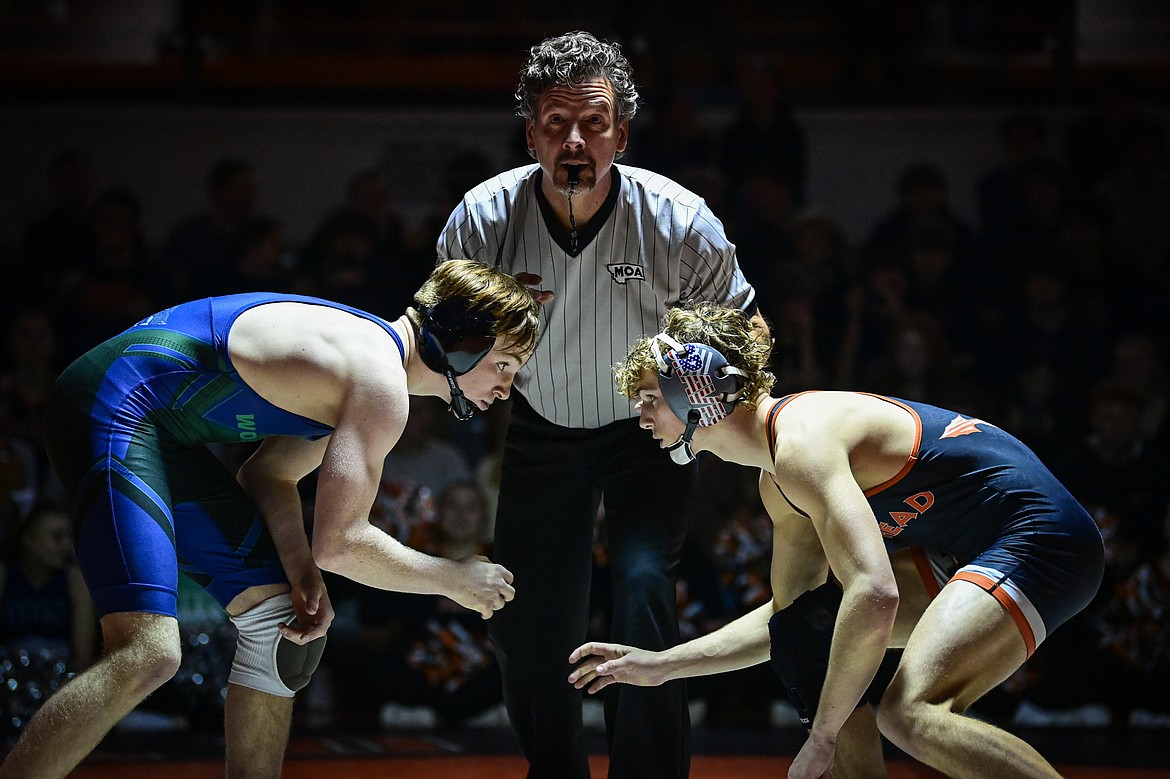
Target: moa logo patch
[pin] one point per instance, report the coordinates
(623, 272)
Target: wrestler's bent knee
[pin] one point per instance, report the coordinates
(265, 660)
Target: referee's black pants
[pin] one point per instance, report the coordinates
(550, 482)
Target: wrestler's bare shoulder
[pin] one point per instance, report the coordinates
(306, 357)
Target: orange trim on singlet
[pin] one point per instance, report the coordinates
(925, 571)
(770, 425)
(912, 457)
(991, 586)
(771, 421)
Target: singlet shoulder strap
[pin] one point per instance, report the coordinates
(773, 414)
(397, 340)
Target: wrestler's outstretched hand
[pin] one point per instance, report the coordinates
(600, 665)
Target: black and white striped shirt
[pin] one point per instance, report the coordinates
(652, 246)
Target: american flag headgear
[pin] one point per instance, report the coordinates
(696, 378)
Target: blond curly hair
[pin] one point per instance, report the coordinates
(727, 330)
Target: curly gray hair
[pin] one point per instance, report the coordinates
(571, 59)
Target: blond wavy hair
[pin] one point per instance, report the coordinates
(728, 330)
(507, 302)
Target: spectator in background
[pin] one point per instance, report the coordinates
(946, 283)
(486, 466)
(1023, 137)
(764, 138)
(729, 530)
(795, 360)
(56, 239)
(917, 361)
(423, 457)
(44, 604)
(820, 270)
(202, 249)
(338, 262)
(675, 141)
(763, 204)
(930, 281)
(1107, 647)
(462, 521)
(29, 369)
(19, 477)
(358, 247)
(723, 574)
(1044, 326)
(367, 193)
(922, 204)
(1036, 412)
(449, 653)
(1134, 629)
(263, 263)
(463, 171)
(115, 284)
(47, 623)
(1119, 479)
(428, 665)
(1139, 366)
(1046, 189)
(1084, 246)
(1138, 193)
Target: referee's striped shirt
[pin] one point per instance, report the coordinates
(652, 246)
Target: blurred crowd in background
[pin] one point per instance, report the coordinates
(1046, 315)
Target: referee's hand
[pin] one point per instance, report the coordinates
(532, 281)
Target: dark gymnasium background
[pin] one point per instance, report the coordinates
(966, 202)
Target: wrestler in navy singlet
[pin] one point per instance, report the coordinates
(149, 498)
(977, 494)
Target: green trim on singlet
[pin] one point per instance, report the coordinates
(200, 353)
(129, 489)
(206, 397)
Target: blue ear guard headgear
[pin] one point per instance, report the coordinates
(698, 384)
(453, 340)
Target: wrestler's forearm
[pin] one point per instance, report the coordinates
(860, 637)
(366, 555)
(280, 507)
(738, 644)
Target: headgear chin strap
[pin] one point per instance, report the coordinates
(452, 341)
(698, 384)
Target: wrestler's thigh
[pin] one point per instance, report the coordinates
(963, 646)
(914, 596)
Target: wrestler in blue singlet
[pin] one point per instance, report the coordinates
(980, 496)
(149, 498)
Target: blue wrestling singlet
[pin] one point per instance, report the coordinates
(978, 495)
(126, 426)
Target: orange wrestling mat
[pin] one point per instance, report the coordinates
(509, 767)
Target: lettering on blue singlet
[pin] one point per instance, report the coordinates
(246, 423)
